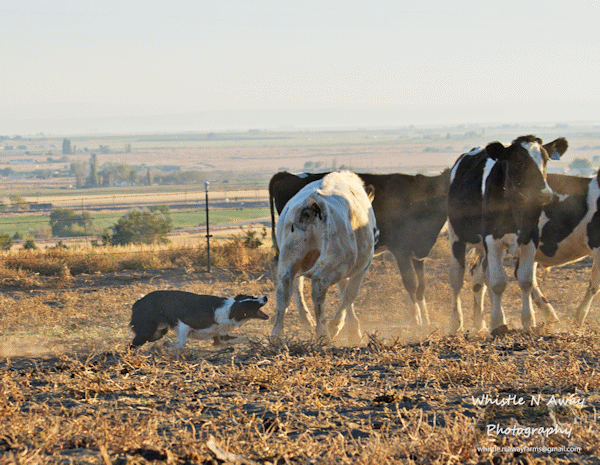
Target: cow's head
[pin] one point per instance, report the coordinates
(526, 159)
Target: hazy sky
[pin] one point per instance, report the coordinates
(517, 59)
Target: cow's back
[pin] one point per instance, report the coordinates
(342, 223)
(346, 196)
(410, 210)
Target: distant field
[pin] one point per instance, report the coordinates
(181, 219)
(248, 160)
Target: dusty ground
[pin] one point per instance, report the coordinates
(72, 392)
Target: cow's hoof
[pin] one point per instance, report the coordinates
(276, 340)
(500, 331)
(355, 340)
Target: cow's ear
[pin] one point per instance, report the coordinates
(370, 190)
(496, 151)
(557, 148)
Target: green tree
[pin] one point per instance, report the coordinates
(29, 245)
(6, 241)
(18, 202)
(66, 223)
(112, 173)
(79, 170)
(66, 147)
(93, 178)
(143, 227)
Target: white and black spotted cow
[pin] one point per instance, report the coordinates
(326, 232)
(569, 231)
(494, 203)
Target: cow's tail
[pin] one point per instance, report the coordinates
(314, 210)
(274, 179)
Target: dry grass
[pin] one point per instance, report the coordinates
(22, 268)
(71, 392)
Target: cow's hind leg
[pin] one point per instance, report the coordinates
(541, 302)
(479, 288)
(283, 297)
(319, 291)
(524, 274)
(497, 280)
(320, 282)
(592, 290)
(458, 252)
(409, 279)
(303, 313)
(348, 289)
(419, 266)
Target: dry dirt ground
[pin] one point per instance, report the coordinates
(72, 392)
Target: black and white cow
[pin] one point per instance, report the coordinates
(410, 212)
(569, 231)
(494, 203)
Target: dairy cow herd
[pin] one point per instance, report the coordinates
(496, 199)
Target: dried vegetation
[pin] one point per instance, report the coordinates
(71, 391)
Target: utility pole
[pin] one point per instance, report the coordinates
(208, 236)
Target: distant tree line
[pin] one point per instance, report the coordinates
(145, 226)
(90, 174)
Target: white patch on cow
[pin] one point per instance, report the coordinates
(535, 152)
(543, 220)
(489, 164)
(475, 151)
(454, 168)
(302, 175)
(593, 194)
(574, 247)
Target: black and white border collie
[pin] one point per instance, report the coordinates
(194, 315)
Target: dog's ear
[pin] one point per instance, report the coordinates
(242, 297)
